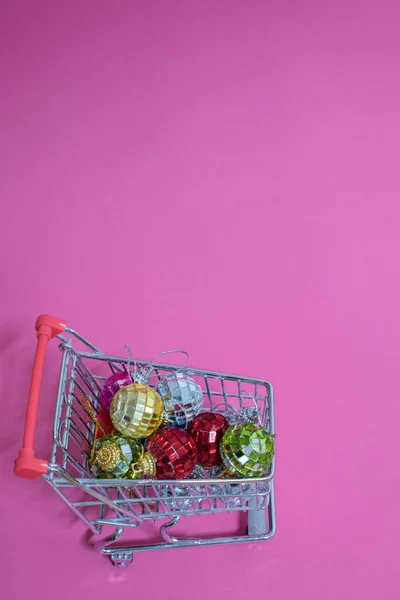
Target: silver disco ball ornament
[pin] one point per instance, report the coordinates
(182, 398)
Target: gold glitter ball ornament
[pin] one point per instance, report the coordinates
(137, 410)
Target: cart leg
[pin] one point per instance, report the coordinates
(119, 557)
(257, 523)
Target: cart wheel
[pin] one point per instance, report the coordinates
(121, 559)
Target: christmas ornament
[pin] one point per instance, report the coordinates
(247, 450)
(137, 410)
(182, 397)
(170, 454)
(111, 387)
(207, 430)
(113, 456)
(104, 424)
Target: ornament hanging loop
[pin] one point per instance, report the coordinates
(179, 369)
(128, 365)
(243, 414)
(143, 374)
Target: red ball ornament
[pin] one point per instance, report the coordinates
(207, 430)
(104, 424)
(174, 452)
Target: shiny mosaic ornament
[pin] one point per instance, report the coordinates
(170, 454)
(113, 455)
(207, 430)
(111, 387)
(137, 410)
(247, 450)
(182, 397)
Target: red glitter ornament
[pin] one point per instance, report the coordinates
(207, 430)
(174, 452)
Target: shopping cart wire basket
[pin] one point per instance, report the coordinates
(125, 503)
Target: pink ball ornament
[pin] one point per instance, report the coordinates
(111, 387)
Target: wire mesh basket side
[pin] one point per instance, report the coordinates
(81, 377)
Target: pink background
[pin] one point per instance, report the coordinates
(221, 176)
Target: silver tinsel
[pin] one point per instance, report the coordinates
(236, 494)
(246, 414)
(177, 497)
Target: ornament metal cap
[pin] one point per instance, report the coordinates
(107, 457)
(165, 420)
(145, 466)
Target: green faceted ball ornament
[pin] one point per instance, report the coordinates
(113, 456)
(247, 450)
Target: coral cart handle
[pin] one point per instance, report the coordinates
(27, 465)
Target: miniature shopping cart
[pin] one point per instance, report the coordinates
(122, 503)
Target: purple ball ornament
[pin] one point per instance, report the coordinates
(114, 383)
